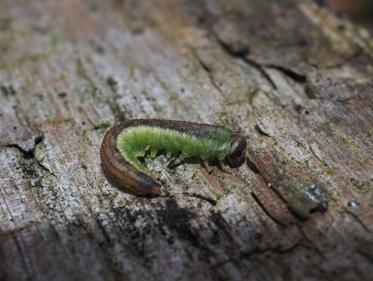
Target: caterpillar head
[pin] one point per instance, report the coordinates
(237, 152)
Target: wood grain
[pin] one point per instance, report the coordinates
(292, 76)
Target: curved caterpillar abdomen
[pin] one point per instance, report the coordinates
(125, 142)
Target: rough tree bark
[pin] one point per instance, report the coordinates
(292, 76)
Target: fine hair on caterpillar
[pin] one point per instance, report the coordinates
(126, 142)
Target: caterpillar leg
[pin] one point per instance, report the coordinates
(207, 167)
(153, 153)
(136, 163)
(174, 163)
(171, 164)
(177, 161)
(222, 168)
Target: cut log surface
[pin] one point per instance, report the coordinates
(294, 77)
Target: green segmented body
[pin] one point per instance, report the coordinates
(135, 141)
(124, 143)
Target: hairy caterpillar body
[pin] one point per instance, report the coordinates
(124, 143)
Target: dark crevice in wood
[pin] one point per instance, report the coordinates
(241, 53)
(261, 131)
(310, 92)
(101, 126)
(173, 196)
(261, 69)
(7, 90)
(252, 166)
(118, 113)
(30, 154)
(243, 56)
(209, 73)
(201, 197)
(297, 77)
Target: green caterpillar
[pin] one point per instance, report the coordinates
(126, 142)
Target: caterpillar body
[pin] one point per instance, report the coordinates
(124, 143)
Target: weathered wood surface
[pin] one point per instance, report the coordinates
(291, 75)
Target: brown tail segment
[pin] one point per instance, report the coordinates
(120, 172)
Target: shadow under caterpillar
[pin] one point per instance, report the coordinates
(124, 143)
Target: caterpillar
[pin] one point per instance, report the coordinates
(124, 143)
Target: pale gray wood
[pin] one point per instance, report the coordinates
(290, 75)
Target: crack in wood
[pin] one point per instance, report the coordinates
(30, 154)
(209, 73)
(249, 61)
(293, 75)
(209, 200)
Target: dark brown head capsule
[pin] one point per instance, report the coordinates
(237, 153)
